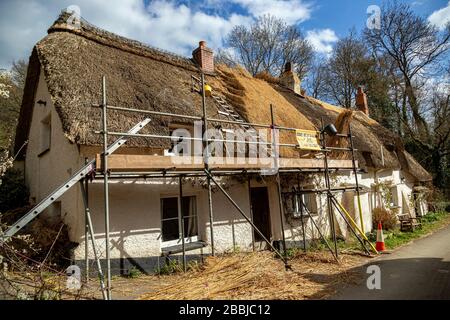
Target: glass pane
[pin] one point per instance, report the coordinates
(170, 230)
(188, 205)
(190, 216)
(169, 207)
(190, 227)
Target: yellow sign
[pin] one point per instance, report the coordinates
(308, 139)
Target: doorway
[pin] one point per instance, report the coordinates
(261, 212)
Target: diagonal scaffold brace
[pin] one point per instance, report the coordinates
(306, 210)
(225, 193)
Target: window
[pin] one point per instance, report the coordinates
(170, 219)
(297, 200)
(46, 134)
(310, 201)
(394, 197)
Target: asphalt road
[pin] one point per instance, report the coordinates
(419, 270)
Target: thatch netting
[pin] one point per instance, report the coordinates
(377, 146)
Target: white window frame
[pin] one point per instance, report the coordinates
(178, 241)
(302, 198)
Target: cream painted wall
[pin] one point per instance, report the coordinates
(44, 173)
(135, 217)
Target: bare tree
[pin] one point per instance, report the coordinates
(297, 50)
(19, 73)
(315, 80)
(347, 68)
(14, 81)
(268, 44)
(414, 45)
(224, 57)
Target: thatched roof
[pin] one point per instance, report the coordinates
(74, 61)
(377, 146)
(142, 77)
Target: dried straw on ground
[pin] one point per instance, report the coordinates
(259, 276)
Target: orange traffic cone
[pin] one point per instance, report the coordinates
(380, 238)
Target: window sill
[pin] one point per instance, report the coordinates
(43, 152)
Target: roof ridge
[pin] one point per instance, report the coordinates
(104, 37)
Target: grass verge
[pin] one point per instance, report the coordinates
(395, 238)
(430, 223)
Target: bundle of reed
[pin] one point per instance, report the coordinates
(258, 276)
(218, 277)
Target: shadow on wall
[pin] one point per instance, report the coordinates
(411, 279)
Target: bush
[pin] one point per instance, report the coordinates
(134, 273)
(173, 266)
(387, 218)
(13, 192)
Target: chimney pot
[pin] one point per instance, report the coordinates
(361, 101)
(288, 67)
(204, 57)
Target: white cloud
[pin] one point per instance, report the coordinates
(292, 11)
(178, 28)
(169, 25)
(440, 17)
(164, 24)
(322, 40)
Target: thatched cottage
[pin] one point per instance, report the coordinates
(59, 123)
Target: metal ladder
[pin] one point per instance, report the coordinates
(58, 192)
(227, 110)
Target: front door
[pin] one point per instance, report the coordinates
(260, 211)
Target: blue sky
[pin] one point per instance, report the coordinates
(342, 15)
(178, 25)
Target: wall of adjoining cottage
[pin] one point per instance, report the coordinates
(402, 188)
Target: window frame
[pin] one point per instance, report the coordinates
(45, 124)
(180, 221)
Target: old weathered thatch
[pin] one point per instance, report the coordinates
(377, 146)
(73, 61)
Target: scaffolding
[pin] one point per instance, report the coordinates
(95, 170)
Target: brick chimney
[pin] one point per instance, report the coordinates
(361, 101)
(204, 57)
(289, 78)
